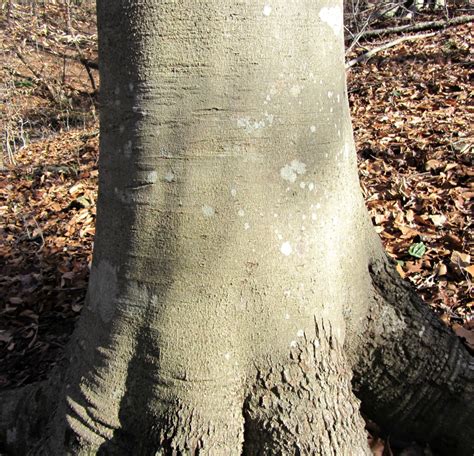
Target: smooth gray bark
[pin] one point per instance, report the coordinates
(230, 284)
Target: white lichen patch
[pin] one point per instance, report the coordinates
(151, 177)
(240, 212)
(169, 176)
(127, 149)
(291, 171)
(293, 344)
(300, 333)
(208, 211)
(267, 10)
(11, 435)
(233, 192)
(295, 90)
(330, 94)
(246, 226)
(227, 356)
(269, 118)
(346, 151)
(302, 185)
(103, 290)
(312, 129)
(311, 186)
(332, 16)
(286, 249)
(122, 196)
(250, 125)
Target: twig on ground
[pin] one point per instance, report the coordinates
(432, 25)
(367, 55)
(38, 76)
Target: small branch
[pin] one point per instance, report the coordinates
(38, 76)
(81, 55)
(433, 25)
(367, 55)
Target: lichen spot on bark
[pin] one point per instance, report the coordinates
(291, 171)
(127, 149)
(286, 249)
(267, 10)
(103, 290)
(151, 177)
(169, 176)
(295, 90)
(250, 125)
(208, 211)
(11, 435)
(332, 16)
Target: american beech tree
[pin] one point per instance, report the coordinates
(239, 301)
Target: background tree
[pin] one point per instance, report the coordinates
(236, 279)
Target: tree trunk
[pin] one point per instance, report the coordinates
(230, 284)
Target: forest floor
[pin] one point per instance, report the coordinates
(412, 117)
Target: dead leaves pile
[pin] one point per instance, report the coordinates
(413, 129)
(48, 214)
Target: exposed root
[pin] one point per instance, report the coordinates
(403, 382)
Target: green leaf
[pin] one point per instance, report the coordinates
(417, 249)
(24, 83)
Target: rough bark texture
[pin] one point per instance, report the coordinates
(230, 280)
(412, 375)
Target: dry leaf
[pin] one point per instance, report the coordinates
(470, 270)
(438, 220)
(400, 270)
(466, 334)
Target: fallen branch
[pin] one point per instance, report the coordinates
(82, 57)
(367, 55)
(90, 63)
(433, 25)
(41, 81)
